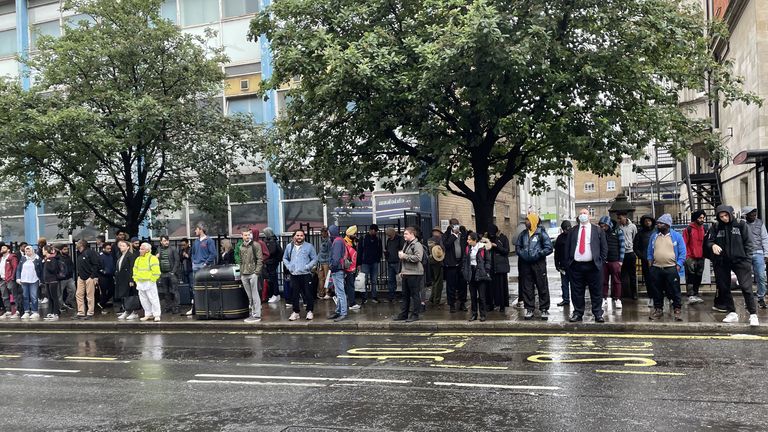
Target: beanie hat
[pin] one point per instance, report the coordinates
(352, 230)
(695, 215)
(666, 219)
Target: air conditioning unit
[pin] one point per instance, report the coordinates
(245, 85)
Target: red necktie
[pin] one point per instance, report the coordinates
(583, 241)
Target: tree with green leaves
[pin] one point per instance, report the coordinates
(469, 95)
(124, 116)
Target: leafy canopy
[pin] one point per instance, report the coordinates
(440, 92)
(124, 115)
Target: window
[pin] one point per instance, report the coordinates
(249, 105)
(50, 28)
(507, 212)
(240, 7)
(74, 20)
(591, 212)
(248, 216)
(33, 3)
(305, 212)
(8, 42)
(168, 10)
(589, 187)
(194, 12)
(610, 186)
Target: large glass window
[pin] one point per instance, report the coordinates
(168, 10)
(357, 212)
(248, 216)
(74, 20)
(50, 28)
(12, 229)
(172, 224)
(390, 208)
(194, 12)
(306, 212)
(248, 105)
(299, 190)
(240, 7)
(7, 42)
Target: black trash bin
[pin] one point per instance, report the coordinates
(219, 294)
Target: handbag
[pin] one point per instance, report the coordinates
(360, 282)
(131, 303)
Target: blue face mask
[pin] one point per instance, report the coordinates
(583, 218)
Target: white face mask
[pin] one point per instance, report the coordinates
(456, 227)
(583, 218)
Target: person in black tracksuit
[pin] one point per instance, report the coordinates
(498, 288)
(731, 245)
(561, 250)
(640, 246)
(455, 242)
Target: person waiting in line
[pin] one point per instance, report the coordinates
(760, 255)
(169, 270)
(203, 255)
(29, 274)
(647, 227)
(369, 255)
(614, 236)
(8, 265)
(88, 265)
(476, 268)
(732, 249)
(106, 277)
(666, 254)
(350, 242)
(693, 236)
(629, 264)
(338, 262)
(42, 293)
(67, 286)
(271, 263)
(533, 246)
(251, 262)
(392, 247)
(323, 264)
(411, 273)
(125, 287)
(146, 272)
(561, 249)
(436, 253)
(53, 271)
(227, 254)
(587, 250)
(454, 242)
(497, 295)
(299, 259)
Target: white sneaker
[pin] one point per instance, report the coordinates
(132, 316)
(606, 301)
(157, 319)
(310, 315)
(692, 300)
(54, 318)
(294, 316)
(14, 316)
(189, 313)
(146, 318)
(327, 297)
(753, 320)
(44, 301)
(699, 299)
(252, 319)
(731, 318)
(274, 299)
(650, 302)
(5, 316)
(123, 315)
(355, 307)
(289, 306)
(617, 304)
(25, 316)
(35, 316)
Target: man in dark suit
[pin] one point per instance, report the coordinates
(586, 252)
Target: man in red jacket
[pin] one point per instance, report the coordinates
(8, 285)
(693, 235)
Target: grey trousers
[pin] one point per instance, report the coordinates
(251, 286)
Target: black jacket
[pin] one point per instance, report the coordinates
(561, 249)
(483, 270)
(173, 257)
(51, 270)
(451, 260)
(733, 237)
(275, 252)
(598, 244)
(186, 262)
(643, 237)
(69, 264)
(124, 276)
(370, 250)
(500, 253)
(392, 248)
(227, 258)
(88, 264)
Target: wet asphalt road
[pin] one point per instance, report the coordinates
(388, 381)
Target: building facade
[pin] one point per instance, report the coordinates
(595, 193)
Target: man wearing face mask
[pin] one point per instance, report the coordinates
(666, 254)
(732, 249)
(585, 255)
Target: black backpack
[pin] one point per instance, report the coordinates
(61, 270)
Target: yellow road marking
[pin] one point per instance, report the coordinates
(638, 372)
(91, 358)
(594, 353)
(610, 336)
(469, 367)
(9, 356)
(551, 358)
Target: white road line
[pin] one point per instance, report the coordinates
(301, 378)
(98, 361)
(261, 383)
(499, 386)
(39, 370)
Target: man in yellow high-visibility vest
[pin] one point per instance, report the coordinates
(146, 272)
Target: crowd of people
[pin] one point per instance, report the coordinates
(130, 276)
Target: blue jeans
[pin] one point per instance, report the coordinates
(341, 295)
(565, 284)
(371, 277)
(758, 268)
(30, 296)
(392, 270)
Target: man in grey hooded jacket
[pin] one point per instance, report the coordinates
(759, 234)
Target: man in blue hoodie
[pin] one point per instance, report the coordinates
(203, 255)
(299, 259)
(533, 246)
(666, 255)
(336, 266)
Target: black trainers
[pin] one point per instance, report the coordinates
(412, 319)
(761, 303)
(544, 315)
(333, 316)
(599, 319)
(575, 318)
(528, 314)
